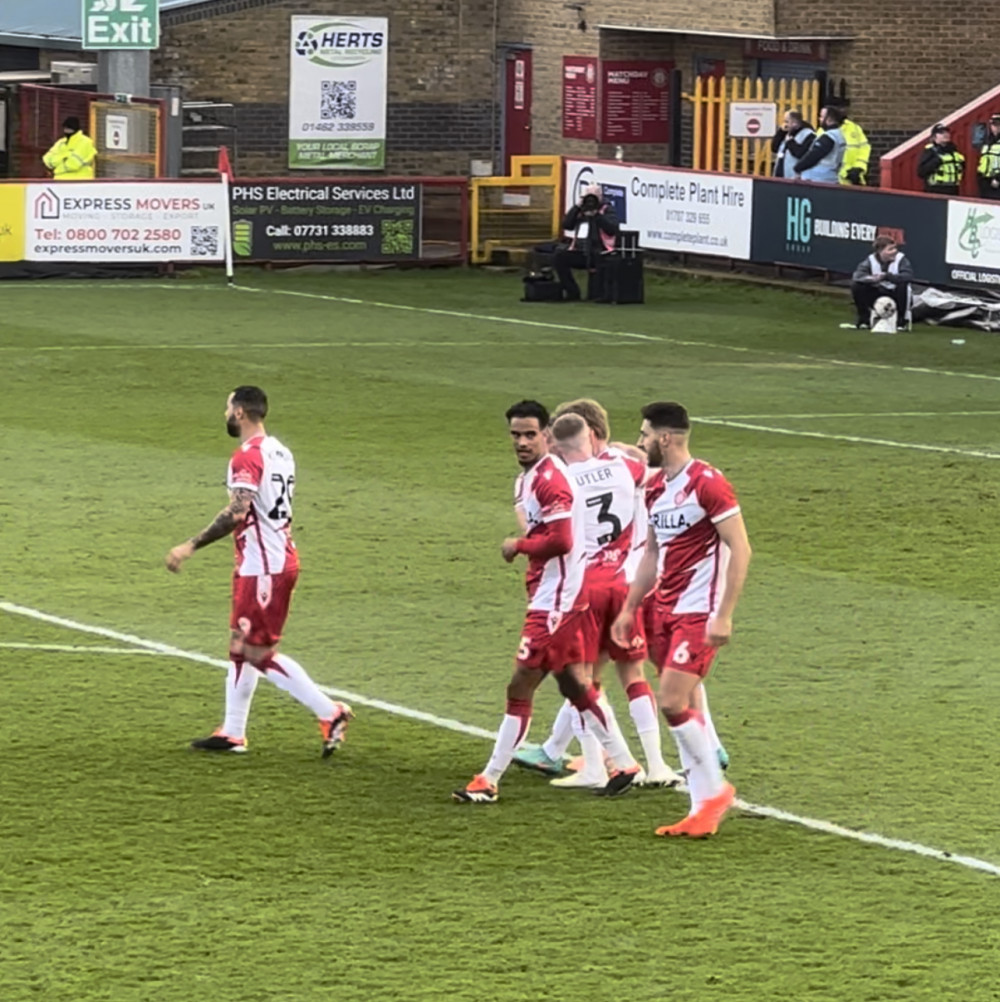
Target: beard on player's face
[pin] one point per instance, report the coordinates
(654, 454)
(232, 427)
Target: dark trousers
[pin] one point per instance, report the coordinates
(986, 189)
(564, 263)
(865, 294)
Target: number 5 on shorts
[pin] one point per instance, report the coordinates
(524, 649)
(682, 654)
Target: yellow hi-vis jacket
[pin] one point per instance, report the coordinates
(72, 159)
(858, 151)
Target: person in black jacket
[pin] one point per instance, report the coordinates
(595, 227)
(790, 143)
(941, 166)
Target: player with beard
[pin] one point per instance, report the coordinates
(611, 481)
(261, 482)
(551, 639)
(697, 556)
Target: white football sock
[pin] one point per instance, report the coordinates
(593, 753)
(294, 679)
(702, 763)
(604, 724)
(512, 732)
(562, 732)
(642, 709)
(240, 686)
(694, 781)
(713, 737)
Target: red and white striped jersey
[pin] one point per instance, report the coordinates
(544, 494)
(684, 513)
(610, 484)
(264, 542)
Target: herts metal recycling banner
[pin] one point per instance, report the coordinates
(672, 210)
(326, 220)
(337, 93)
(832, 226)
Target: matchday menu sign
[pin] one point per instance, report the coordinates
(580, 97)
(326, 221)
(635, 101)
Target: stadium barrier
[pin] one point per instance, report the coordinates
(128, 135)
(332, 220)
(518, 210)
(828, 228)
(99, 225)
(95, 224)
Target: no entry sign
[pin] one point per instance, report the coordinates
(752, 120)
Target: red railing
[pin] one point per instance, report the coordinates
(899, 166)
(41, 112)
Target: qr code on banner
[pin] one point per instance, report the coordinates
(397, 236)
(204, 241)
(338, 99)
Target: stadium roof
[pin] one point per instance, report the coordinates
(51, 23)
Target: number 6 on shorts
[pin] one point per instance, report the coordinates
(682, 654)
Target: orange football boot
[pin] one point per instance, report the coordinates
(681, 828)
(711, 812)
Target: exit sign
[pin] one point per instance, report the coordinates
(121, 24)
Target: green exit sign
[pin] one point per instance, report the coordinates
(121, 24)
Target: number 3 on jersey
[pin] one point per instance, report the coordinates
(606, 515)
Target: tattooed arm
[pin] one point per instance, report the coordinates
(232, 516)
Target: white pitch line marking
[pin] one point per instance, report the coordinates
(463, 315)
(79, 649)
(447, 723)
(244, 346)
(858, 439)
(848, 414)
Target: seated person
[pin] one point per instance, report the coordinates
(885, 272)
(595, 226)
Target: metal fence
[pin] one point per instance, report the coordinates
(714, 148)
(41, 111)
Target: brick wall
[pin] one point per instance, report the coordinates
(440, 108)
(907, 65)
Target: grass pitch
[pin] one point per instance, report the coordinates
(860, 689)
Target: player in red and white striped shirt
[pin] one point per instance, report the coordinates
(611, 481)
(261, 482)
(551, 639)
(697, 555)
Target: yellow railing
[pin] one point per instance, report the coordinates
(535, 165)
(714, 148)
(127, 137)
(516, 211)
